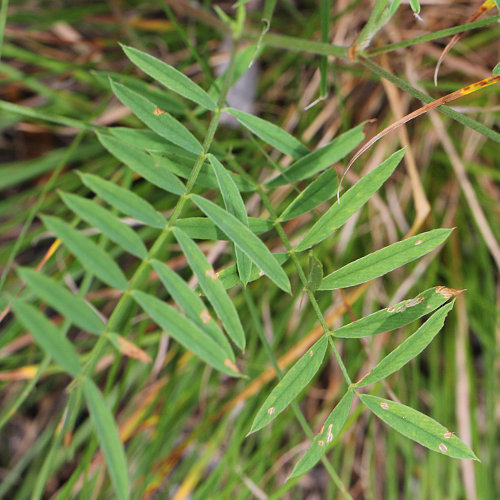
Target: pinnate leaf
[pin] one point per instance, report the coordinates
(189, 301)
(409, 349)
(320, 159)
(57, 296)
(158, 120)
(109, 439)
(187, 333)
(385, 260)
(397, 315)
(124, 200)
(418, 427)
(48, 336)
(289, 387)
(92, 257)
(212, 287)
(319, 191)
(330, 430)
(169, 77)
(241, 236)
(234, 205)
(351, 202)
(271, 134)
(106, 222)
(143, 164)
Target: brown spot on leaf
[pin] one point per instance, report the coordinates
(311, 352)
(321, 443)
(231, 365)
(448, 292)
(391, 309)
(415, 301)
(261, 273)
(447, 435)
(131, 350)
(384, 405)
(211, 274)
(271, 410)
(418, 242)
(158, 112)
(205, 316)
(443, 447)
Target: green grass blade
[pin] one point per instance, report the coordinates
(409, 349)
(109, 439)
(187, 333)
(202, 228)
(319, 191)
(143, 164)
(107, 223)
(271, 134)
(161, 122)
(418, 427)
(212, 287)
(289, 387)
(48, 337)
(351, 202)
(124, 200)
(234, 205)
(189, 301)
(169, 77)
(320, 159)
(385, 260)
(57, 296)
(92, 257)
(330, 430)
(395, 316)
(239, 234)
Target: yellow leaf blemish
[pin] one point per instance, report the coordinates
(384, 405)
(205, 316)
(418, 242)
(321, 443)
(271, 410)
(211, 274)
(311, 352)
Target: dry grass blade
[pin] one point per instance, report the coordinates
(485, 7)
(468, 89)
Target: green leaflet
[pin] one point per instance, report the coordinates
(382, 261)
(315, 273)
(418, 427)
(229, 277)
(234, 205)
(319, 191)
(202, 228)
(124, 200)
(143, 164)
(108, 223)
(48, 336)
(157, 119)
(320, 159)
(212, 287)
(289, 387)
(409, 349)
(351, 202)
(239, 234)
(187, 333)
(395, 316)
(147, 140)
(109, 439)
(92, 257)
(181, 165)
(192, 305)
(271, 134)
(169, 77)
(496, 69)
(57, 296)
(321, 443)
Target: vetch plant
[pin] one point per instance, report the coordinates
(200, 310)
